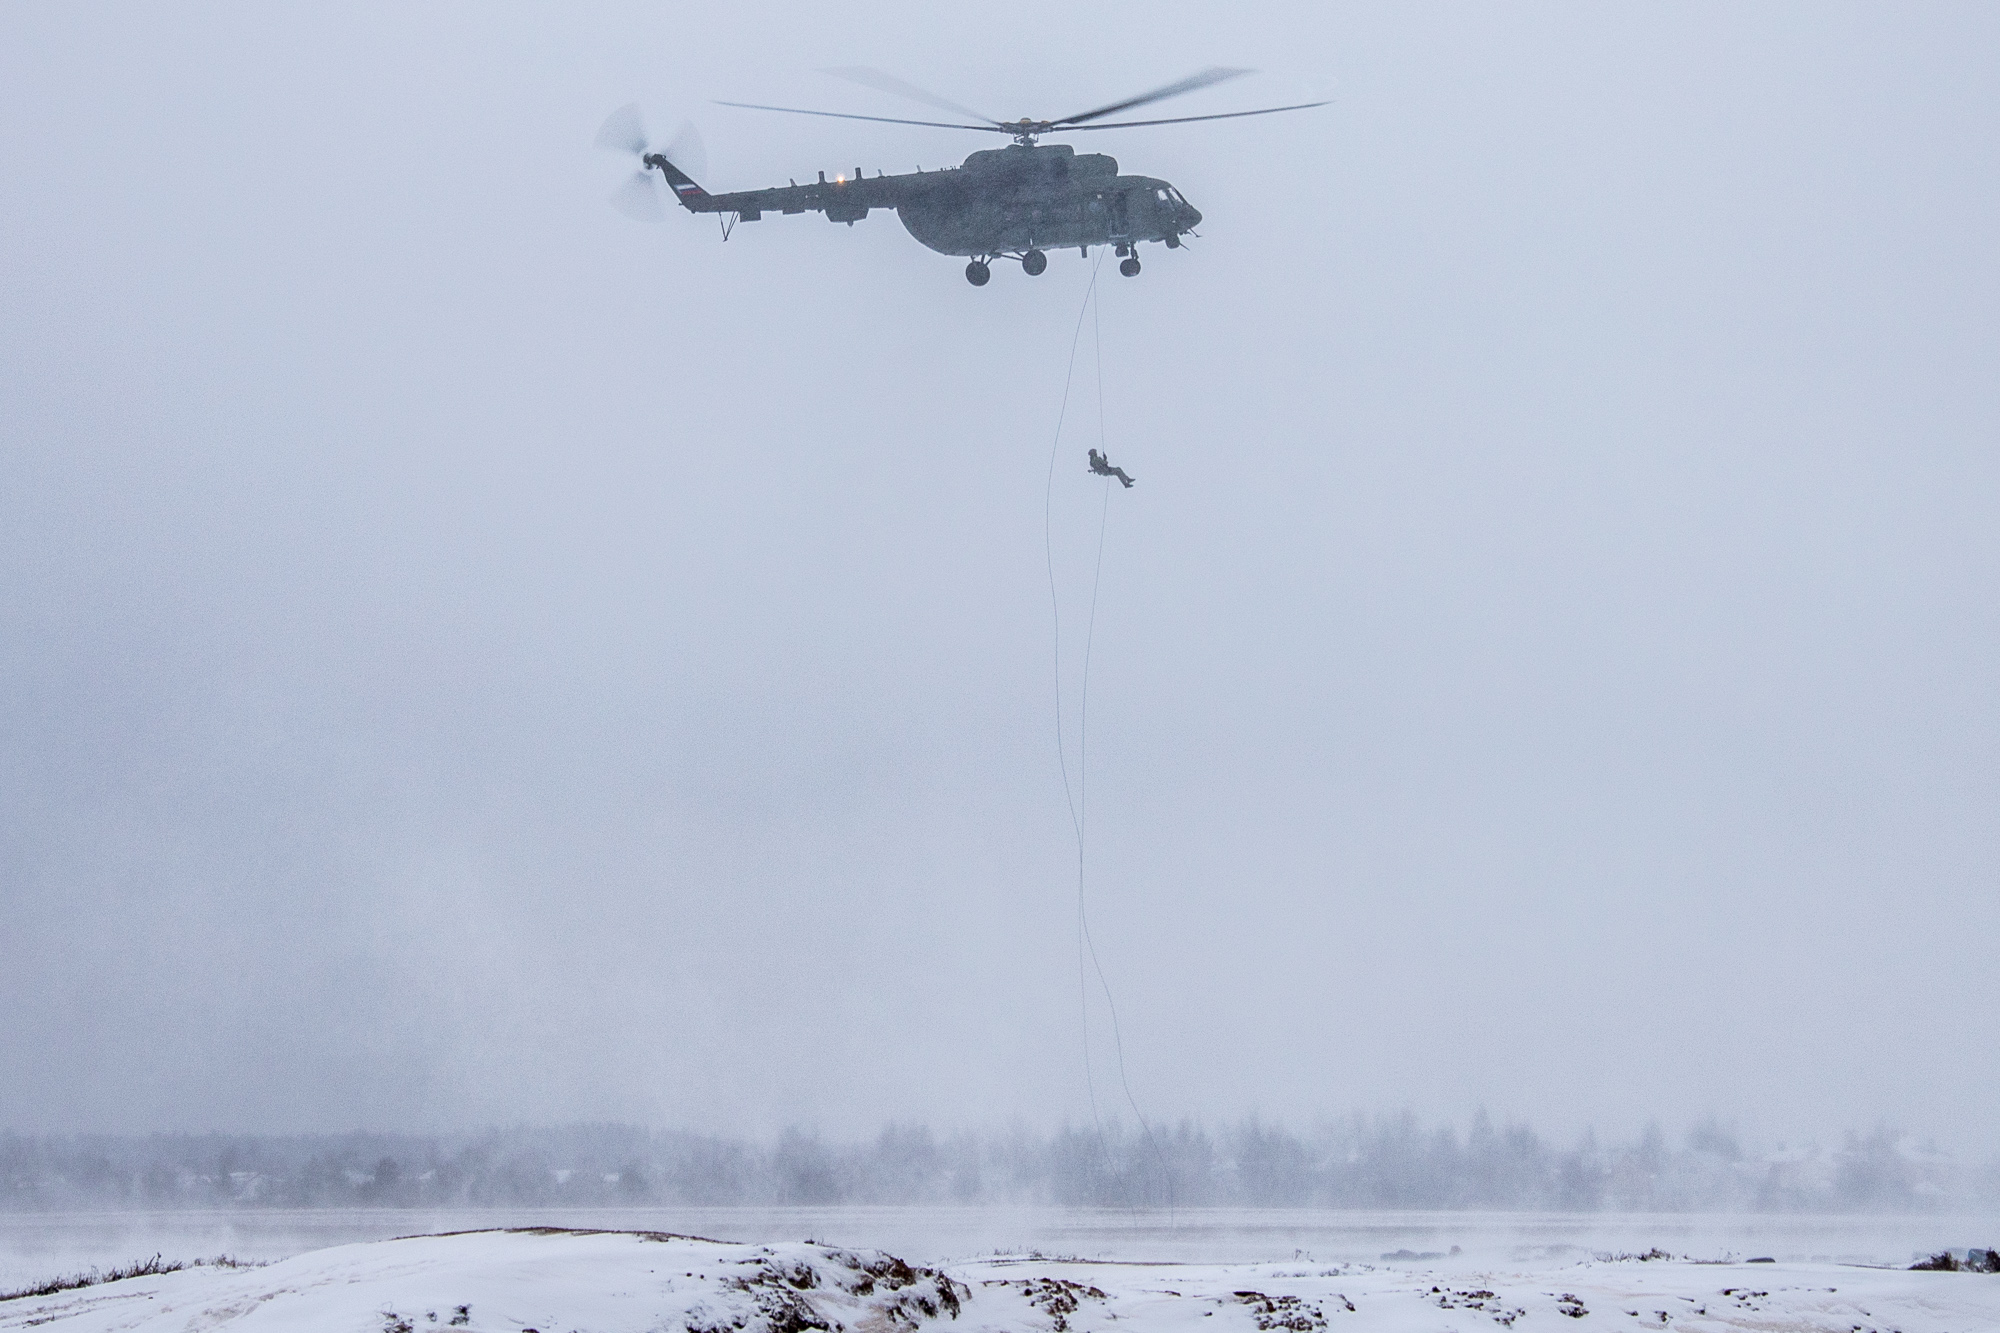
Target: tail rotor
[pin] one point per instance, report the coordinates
(639, 198)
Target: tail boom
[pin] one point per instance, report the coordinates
(693, 198)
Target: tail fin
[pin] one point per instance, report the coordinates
(692, 196)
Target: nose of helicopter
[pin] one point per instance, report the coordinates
(1190, 216)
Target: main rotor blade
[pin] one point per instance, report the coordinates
(1182, 120)
(623, 130)
(639, 198)
(1212, 75)
(889, 83)
(880, 120)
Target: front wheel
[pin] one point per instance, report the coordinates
(1033, 263)
(977, 273)
(1130, 267)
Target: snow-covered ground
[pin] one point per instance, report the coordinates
(37, 1245)
(625, 1282)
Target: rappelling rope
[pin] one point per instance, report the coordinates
(1078, 798)
(1062, 752)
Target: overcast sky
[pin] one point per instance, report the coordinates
(467, 657)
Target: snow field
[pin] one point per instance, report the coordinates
(553, 1281)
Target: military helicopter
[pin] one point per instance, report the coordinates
(1017, 202)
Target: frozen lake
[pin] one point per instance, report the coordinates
(37, 1245)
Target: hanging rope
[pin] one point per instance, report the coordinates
(1078, 798)
(1062, 751)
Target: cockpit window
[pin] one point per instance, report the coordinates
(1161, 193)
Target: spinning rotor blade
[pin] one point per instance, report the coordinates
(685, 150)
(639, 198)
(889, 83)
(624, 131)
(880, 120)
(1212, 75)
(1025, 129)
(1183, 120)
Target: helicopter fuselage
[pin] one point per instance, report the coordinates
(1016, 200)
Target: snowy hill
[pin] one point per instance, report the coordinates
(551, 1281)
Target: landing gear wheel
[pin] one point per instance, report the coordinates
(977, 273)
(1033, 262)
(1130, 266)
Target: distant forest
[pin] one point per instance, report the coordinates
(1383, 1162)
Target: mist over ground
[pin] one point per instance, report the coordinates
(1392, 1163)
(466, 658)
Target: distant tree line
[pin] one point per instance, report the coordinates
(1360, 1162)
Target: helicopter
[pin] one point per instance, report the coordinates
(1017, 202)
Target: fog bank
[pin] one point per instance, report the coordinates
(1391, 1162)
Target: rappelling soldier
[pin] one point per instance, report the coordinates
(1101, 465)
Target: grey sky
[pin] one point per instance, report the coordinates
(470, 657)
